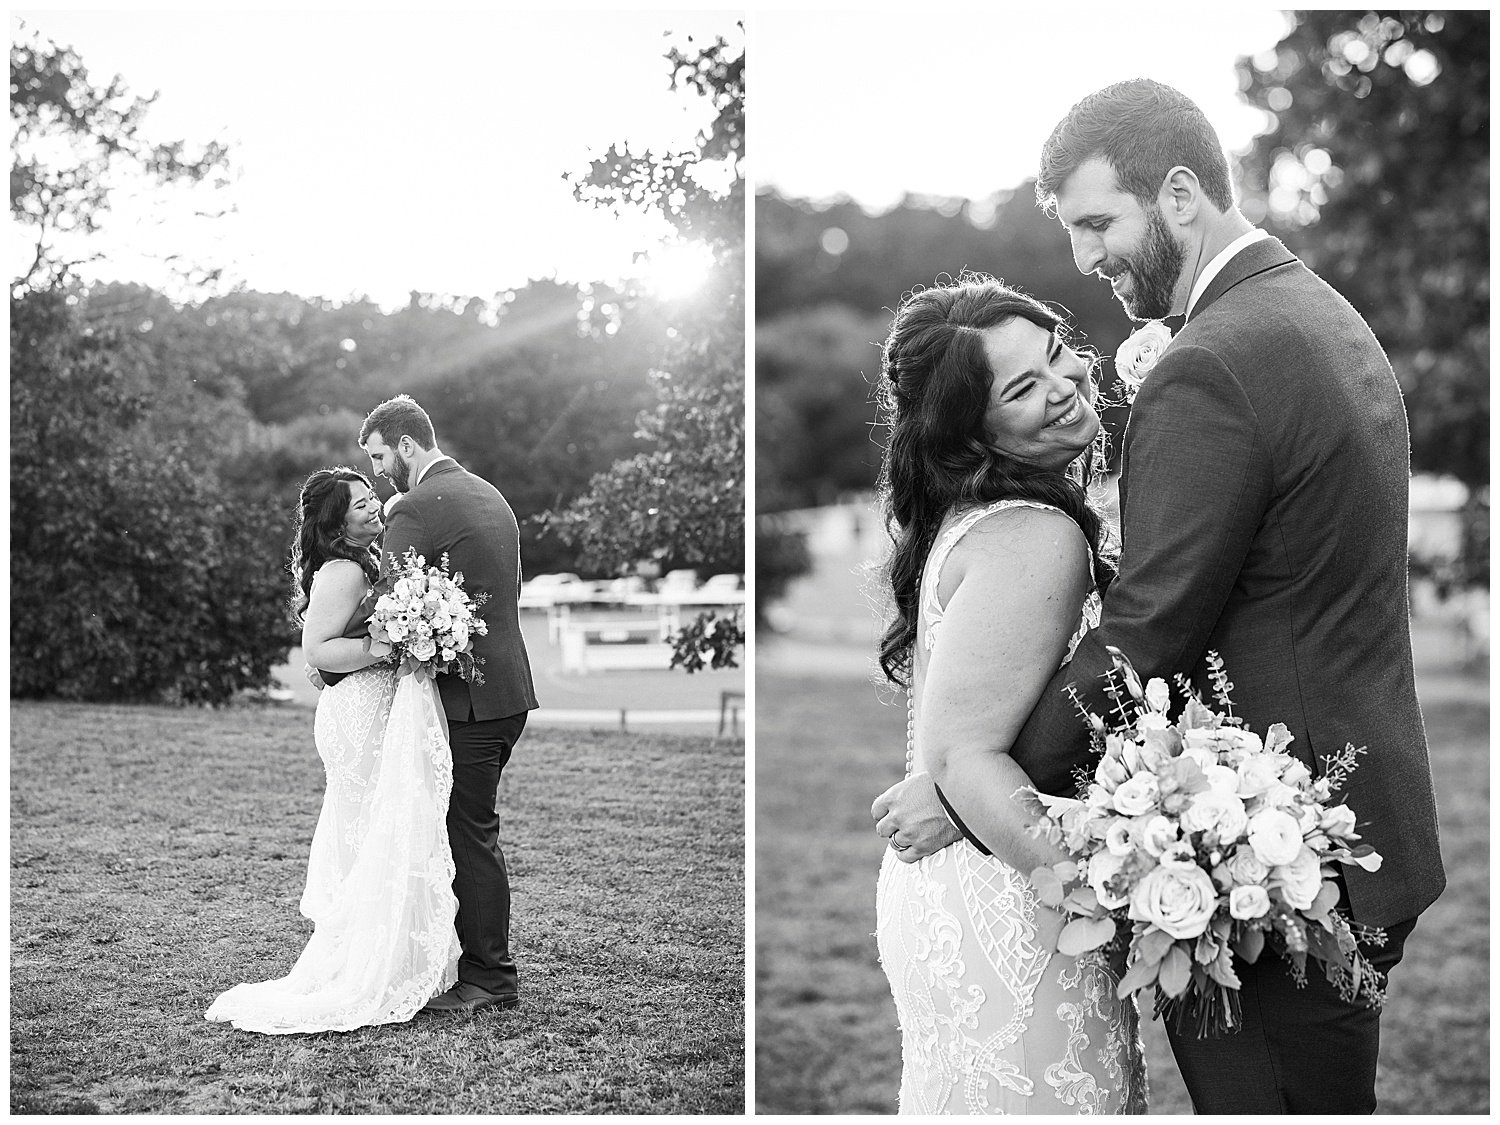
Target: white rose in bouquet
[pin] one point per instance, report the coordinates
(1300, 880)
(423, 647)
(1337, 821)
(1245, 869)
(1257, 775)
(1296, 773)
(1274, 837)
(1248, 902)
(1220, 814)
(1157, 833)
(1136, 795)
(1306, 813)
(1158, 695)
(1241, 741)
(1102, 868)
(1222, 779)
(1177, 900)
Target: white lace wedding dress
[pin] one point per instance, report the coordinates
(380, 877)
(993, 1020)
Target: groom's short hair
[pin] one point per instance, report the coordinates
(396, 418)
(1143, 129)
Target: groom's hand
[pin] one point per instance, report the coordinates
(910, 815)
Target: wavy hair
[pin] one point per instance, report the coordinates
(933, 396)
(396, 418)
(1143, 129)
(321, 508)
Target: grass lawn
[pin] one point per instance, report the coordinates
(826, 1033)
(158, 855)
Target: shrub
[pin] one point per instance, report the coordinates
(134, 576)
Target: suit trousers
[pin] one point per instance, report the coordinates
(1298, 1050)
(480, 882)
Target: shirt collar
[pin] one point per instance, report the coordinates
(1220, 260)
(422, 472)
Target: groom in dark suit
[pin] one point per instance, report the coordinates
(444, 510)
(1263, 499)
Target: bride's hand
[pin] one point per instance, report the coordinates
(381, 649)
(910, 815)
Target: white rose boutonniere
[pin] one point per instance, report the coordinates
(1139, 353)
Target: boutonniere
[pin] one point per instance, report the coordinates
(1139, 353)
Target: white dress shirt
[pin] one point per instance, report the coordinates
(1220, 260)
(422, 472)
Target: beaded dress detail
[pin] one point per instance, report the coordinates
(993, 1020)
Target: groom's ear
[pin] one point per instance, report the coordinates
(1181, 196)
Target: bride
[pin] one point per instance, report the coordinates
(380, 877)
(995, 575)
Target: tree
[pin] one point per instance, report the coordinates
(682, 499)
(72, 143)
(133, 574)
(1377, 169)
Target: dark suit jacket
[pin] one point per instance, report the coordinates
(1263, 500)
(454, 512)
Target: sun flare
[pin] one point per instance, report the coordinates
(677, 270)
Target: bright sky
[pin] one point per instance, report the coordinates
(958, 103)
(383, 151)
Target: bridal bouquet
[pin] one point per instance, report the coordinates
(424, 614)
(1195, 840)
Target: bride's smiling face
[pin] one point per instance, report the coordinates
(1041, 400)
(362, 521)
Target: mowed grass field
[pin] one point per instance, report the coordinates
(158, 855)
(826, 1036)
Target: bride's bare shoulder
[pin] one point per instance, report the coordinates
(1024, 533)
(338, 580)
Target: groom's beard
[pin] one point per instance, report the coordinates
(400, 474)
(1154, 270)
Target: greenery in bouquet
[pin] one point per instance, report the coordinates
(1196, 840)
(429, 620)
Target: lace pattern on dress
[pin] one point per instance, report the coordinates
(993, 1021)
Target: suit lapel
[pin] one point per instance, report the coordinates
(1259, 256)
(440, 466)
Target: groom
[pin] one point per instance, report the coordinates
(1263, 498)
(445, 510)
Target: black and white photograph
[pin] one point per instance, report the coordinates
(1121, 387)
(378, 629)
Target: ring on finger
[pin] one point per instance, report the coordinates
(899, 847)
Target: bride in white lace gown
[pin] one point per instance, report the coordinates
(379, 886)
(993, 582)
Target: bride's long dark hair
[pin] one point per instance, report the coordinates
(321, 508)
(933, 396)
